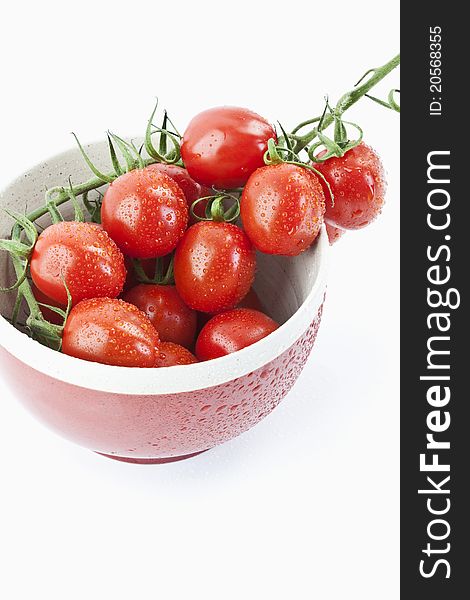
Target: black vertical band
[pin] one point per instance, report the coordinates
(435, 267)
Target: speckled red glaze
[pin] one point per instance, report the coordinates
(158, 426)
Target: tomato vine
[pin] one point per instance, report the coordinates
(125, 156)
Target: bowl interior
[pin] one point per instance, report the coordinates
(282, 283)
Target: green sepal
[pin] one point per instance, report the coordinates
(18, 282)
(125, 150)
(78, 212)
(55, 309)
(105, 178)
(15, 247)
(114, 159)
(93, 207)
(27, 225)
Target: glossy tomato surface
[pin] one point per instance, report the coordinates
(282, 209)
(145, 212)
(112, 332)
(223, 146)
(358, 183)
(83, 256)
(191, 189)
(214, 266)
(170, 354)
(173, 320)
(231, 331)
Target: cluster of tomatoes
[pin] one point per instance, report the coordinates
(146, 216)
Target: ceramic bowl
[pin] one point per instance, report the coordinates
(159, 415)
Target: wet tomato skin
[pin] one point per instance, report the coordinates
(170, 354)
(191, 189)
(358, 183)
(282, 209)
(174, 321)
(223, 146)
(231, 331)
(112, 332)
(82, 255)
(334, 233)
(214, 266)
(145, 212)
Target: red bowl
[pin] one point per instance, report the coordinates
(158, 415)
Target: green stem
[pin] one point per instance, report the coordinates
(345, 102)
(141, 275)
(24, 290)
(63, 195)
(168, 278)
(46, 332)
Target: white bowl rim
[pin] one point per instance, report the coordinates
(168, 380)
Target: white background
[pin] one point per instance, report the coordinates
(305, 505)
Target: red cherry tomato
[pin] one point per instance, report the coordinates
(223, 146)
(214, 266)
(190, 188)
(357, 181)
(83, 256)
(282, 209)
(334, 233)
(231, 331)
(145, 212)
(174, 321)
(170, 354)
(112, 332)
